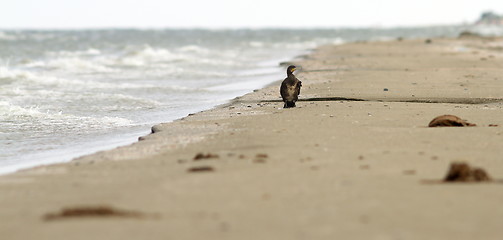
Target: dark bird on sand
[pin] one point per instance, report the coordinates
(290, 88)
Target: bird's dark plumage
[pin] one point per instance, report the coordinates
(290, 88)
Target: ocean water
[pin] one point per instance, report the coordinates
(64, 94)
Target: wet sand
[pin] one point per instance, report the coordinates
(354, 160)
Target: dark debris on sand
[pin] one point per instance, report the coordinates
(201, 156)
(462, 172)
(201, 169)
(91, 211)
(449, 121)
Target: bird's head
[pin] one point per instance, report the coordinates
(291, 69)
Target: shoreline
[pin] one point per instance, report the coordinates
(333, 167)
(112, 142)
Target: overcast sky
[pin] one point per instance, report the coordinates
(238, 13)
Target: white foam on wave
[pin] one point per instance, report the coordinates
(256, 44)
(9, 112)
(7, 37)
(146, 55)
(42, 79)
(71, 64)
(189, 54)
(7, 73)
(94, 60)
(88, 61)
(181, 61)
(119, 102)
(33, 118)
(194, 49)
(88, 52)
(89, 102)
(25, 78)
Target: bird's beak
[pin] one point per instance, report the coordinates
(293, 69)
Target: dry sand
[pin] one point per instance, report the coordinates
(332, 168)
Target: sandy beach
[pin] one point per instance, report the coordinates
(354, 160)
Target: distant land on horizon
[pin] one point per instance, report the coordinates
(490, 18)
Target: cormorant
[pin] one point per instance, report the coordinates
(290, 88)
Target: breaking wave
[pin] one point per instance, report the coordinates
(34, 119)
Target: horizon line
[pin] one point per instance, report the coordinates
(225, 28)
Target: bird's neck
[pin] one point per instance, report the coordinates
(289, 74)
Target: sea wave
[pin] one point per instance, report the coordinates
(7, 73)
(8, 37)
(70, 64)
(176, 61)
(15, 35)
(146, 55)
(25, 78)
(78, 53)
(111, 95)
(194, 49)
(35, 119)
